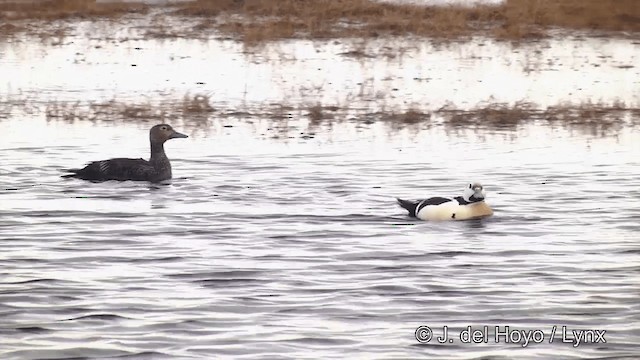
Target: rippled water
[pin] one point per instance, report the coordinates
(292, 246)
(266, 249)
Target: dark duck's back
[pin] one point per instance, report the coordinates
(158, 168)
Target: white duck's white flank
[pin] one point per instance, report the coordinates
(470, 205)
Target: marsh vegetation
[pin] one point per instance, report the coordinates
(360, 25)
(257, 21)
(198, 110)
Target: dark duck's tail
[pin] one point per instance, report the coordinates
(410, 206)
(90, 172)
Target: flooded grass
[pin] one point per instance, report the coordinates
(318, 113)
(196, 107)
(498, 115)
(259, 21)
(599, 119)
(400, 118)
(196, 104)
(196, 110)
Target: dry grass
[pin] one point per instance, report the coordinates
(255, 21)
(64, 9)
(51, 19)
(260, 20)
(529, 17)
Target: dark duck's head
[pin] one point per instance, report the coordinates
(474, 192)
(163, 132)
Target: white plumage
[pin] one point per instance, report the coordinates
(470, 205)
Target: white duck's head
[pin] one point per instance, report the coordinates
(474, 192)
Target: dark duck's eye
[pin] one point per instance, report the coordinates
(163, 128)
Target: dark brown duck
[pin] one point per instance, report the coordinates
(158, 168)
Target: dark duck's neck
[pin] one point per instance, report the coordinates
(159, 160)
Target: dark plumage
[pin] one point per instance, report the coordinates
(158, 168)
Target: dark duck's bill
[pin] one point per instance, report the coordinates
(158, 168)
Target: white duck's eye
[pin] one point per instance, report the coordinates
(470, 186)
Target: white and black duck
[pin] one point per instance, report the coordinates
(158, 168)
(471, 205)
